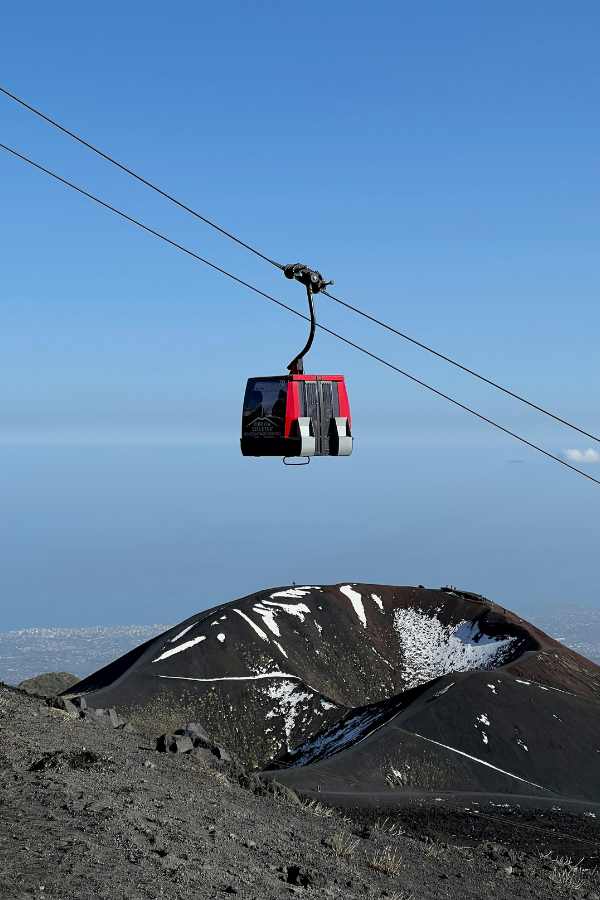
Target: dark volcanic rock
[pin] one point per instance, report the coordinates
(49, 683)
(174, 743)
(77, 708)
(267, 673)
(72, 707)
(197, 733)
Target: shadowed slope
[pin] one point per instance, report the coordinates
(476, 731)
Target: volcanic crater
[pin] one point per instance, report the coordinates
(292, 676)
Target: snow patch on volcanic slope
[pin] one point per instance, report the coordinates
(185, 646)
(280, 648)
(430, 649)
(268, 617)
(378, 601)
(288, 698)
(294, 609)
(291, 701)
(181, 633)
(297, 592)
(349, 731)
(356, 600)
(253, 625)
(269, 611)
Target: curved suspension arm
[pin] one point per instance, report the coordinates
(314, 282)
(296, 366)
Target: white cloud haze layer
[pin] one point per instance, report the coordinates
(583, 456)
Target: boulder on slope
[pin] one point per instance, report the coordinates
(49, 684)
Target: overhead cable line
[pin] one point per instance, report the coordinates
(349, 306)
(300, 315)
(458, 365)
(139, 178)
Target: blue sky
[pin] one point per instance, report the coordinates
(441, 164)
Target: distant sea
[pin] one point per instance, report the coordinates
(576, 627)
(29, 651)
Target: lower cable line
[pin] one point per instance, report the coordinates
(461, 366)
(300, 315)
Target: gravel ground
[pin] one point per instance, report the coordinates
(91, 812)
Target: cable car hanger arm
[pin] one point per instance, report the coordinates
(314, 282)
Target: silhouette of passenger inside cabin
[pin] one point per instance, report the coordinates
(254, 408)
(279, 405)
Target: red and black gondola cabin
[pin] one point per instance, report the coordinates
(296, 415)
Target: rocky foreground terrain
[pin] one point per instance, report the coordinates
(92, 811)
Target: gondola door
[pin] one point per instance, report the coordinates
(320, 402)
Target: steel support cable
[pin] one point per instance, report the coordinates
(454, 362)
(263, 256)
(139, 178)
(295, 312)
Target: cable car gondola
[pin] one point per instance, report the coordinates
(297, 415)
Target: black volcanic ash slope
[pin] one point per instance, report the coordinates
(269, 671)
(475, 731)
(531, 727)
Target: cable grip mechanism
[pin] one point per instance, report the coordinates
(310, 278)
